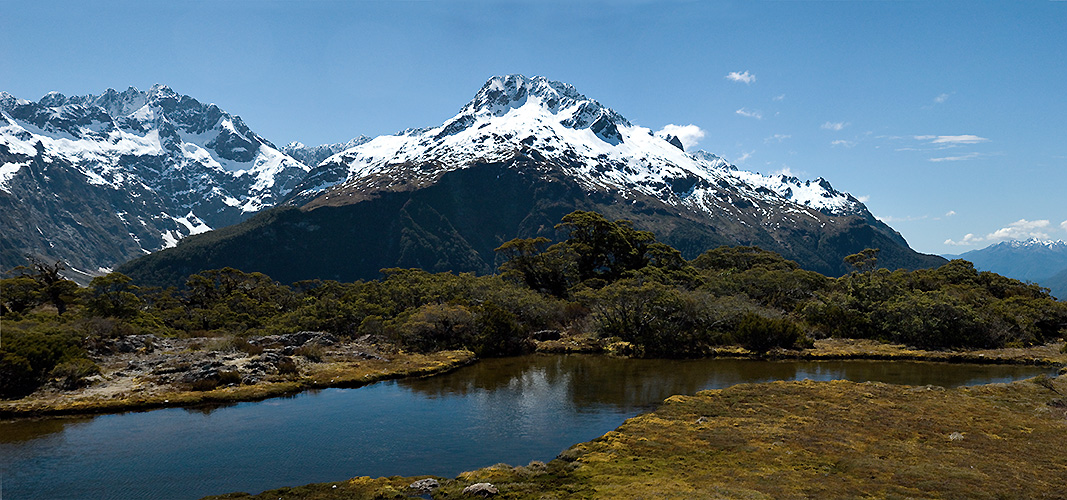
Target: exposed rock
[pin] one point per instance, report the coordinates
(483, 489)
(202, 371)
(294, 340)
(424, 486)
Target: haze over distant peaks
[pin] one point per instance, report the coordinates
(1033, 260)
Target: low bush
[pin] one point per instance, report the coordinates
(759, 334)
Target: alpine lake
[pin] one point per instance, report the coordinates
(510, 410)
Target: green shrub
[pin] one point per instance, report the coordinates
(498, 333)
(759, 334)
(28, 356)
(71, 374)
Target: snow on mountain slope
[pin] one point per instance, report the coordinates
(110, 137)
(594, 144)
(166, 164)
(314, 155)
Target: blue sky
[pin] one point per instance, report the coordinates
(948, 119)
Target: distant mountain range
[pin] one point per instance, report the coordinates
(1040, 261)
(511, 163)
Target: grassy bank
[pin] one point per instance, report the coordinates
(795, 440)
(334, 373)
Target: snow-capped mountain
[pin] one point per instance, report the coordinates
(1028, 260)
(595, 145)
(511, 163)
(146, 168)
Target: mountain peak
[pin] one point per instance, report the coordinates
(505, 92)
(53, 99)
(159, 90)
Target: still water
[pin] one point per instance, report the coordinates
(500, 410)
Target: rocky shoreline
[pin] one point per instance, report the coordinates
(141, 372)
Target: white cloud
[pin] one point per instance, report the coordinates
(751, 114)
(950, 213)
(952, 139)
(835, 126)
(1021, 229)
(1064, 225)
(941, 98)
(968, 239)
(776, 138)
(779, 97)
(745, 156)
(786, 171)
(968, 156)
(863, 199)
(745, 77)
(911, 218)
(690, 135)
(842, 142)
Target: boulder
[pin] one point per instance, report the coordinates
(483, 489)
(424, 486)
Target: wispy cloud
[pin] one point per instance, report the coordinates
(911, 218)
(690, 135)
(863, 199)
(951, 139)
(942, 97)
(1064, 225)
(776, 138)
(785, 170)
(1021, 229)
(842, 142)
(744, 77)
(835, 126)
(968, 156)
(950, 213)
(779, 97)
(745, 156)
(751, 114)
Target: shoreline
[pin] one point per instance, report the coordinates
(353, 371)
(336, 374)
(786, 439)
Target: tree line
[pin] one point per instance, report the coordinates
(603, 278)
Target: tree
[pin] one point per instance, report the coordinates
(605, 249)
(865, 261)
(547, 269)
(19, 294)
(113, 295)
(54, 287)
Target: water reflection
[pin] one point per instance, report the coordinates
(16, 431)
(595, 381)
